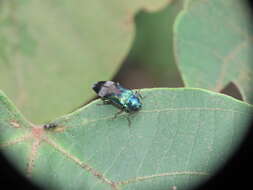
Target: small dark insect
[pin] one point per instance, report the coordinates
(113, 93)
(50, 125)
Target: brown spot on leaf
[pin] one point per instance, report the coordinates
(37, 132)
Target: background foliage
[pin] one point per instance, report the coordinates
(64, 47)
(51, 52)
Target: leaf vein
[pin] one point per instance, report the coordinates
(142, 178)
(83, 165)
(15, 141)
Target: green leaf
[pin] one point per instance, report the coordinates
(179, 139)
(53, 51)
(213, 45)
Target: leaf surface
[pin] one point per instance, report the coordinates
(179, 138)
(213, 45)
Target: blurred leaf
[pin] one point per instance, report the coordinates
(53, 51)
(213, 45)
(178, 139)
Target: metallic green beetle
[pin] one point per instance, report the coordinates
(113, 93)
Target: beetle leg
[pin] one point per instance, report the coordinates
(129, 121)
(138, 93)
(127, 117)
(105, 102)
(118, 113)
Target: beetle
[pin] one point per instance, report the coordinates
(113, 93)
